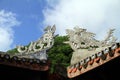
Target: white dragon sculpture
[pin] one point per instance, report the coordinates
(37, 49)
(84, 43)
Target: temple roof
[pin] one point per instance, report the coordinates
(33, 56)
(90, 53)
(27, 63)
(94, 61)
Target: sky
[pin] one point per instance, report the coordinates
(23, 21)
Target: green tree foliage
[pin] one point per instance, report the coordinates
(60, 53)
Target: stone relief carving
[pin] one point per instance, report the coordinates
(84, 43)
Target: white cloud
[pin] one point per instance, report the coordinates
(7, 22)
(95, 15)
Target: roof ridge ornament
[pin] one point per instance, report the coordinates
(89, 53)
(84, 43)
(40, 46)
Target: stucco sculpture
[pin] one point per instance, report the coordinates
(89, 52)
(37, 49)
(84, 43)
